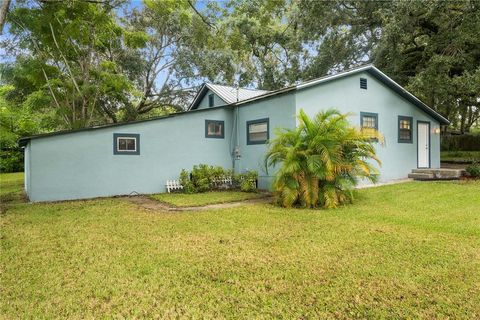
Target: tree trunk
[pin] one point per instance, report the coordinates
(3, 14)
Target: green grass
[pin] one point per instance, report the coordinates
(410, 250)
(460, 156)
(11, 187)
(201, 199)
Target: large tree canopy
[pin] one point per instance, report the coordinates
(80, 63)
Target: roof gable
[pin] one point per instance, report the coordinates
(372, 70)
(228, 94)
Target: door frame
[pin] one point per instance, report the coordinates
(429, 144)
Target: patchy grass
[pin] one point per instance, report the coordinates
(410, 250)
(460, 156)
(11, 187)
(201, 199)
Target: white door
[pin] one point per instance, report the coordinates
(423, 141)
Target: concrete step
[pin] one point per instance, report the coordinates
(441, 174)
(421, 176)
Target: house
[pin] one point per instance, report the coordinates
(228, 127)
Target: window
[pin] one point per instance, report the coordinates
(369, 123)
(126, 143)
(257, 131)
(405, 129)
(211, 100)
(363, 83)
(214, 129)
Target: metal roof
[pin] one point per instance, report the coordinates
(232, 94)
(228, 94)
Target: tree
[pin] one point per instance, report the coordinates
(430, 47)
(98, 66)
(433, 49)
(159, 37)
(15, 122)
(3, 13)
(320, 161)
(73, 46)
(251, 43)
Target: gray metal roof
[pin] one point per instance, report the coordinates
(228, 94)
(232, 94)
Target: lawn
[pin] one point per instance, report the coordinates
(410, 250)
(460, 156)
(11, 187)
(201, 199)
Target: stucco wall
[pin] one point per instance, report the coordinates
(344, 94)
(281, 113)
(27, 171)
(82, 164)
(217, 101)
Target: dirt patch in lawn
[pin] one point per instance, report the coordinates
(150, 204)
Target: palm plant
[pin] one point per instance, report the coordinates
(321, 160)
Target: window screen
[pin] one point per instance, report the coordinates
(369, 123)
(214, 129)
(405, 129)
(257, 131)
(126, 143)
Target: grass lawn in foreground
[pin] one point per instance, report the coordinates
(201, 199)
(460, 156)
(410, 250)
(11, 188)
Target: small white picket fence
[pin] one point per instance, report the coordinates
(173, 185)
(223, 183)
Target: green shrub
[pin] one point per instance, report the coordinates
(466, 142)
(474, 169)
(185, 181)
(321, 160)
(11, 161)
(205, 178)
(247, 182)
(202, 177)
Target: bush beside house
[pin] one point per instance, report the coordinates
(473, 170)
(205, 178)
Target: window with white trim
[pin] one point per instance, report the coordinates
(126, 143)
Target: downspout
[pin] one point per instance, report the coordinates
(235, 151)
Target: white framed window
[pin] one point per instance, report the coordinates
(126, 143)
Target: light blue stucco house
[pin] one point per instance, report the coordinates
(228, 127)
